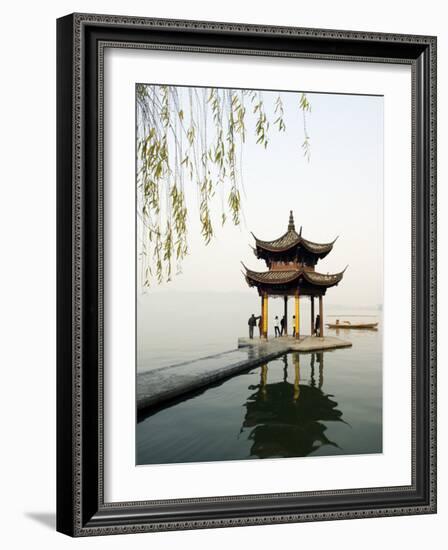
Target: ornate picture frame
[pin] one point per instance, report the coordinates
(81, 507)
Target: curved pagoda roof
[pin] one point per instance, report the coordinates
(292, 239)
(277, 277)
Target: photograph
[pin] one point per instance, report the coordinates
(259, 274)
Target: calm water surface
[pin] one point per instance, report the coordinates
(326, 403)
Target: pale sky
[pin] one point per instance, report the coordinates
(338, 193)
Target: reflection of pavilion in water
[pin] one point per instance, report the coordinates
(286, 417)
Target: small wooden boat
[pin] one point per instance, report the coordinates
(347, 324)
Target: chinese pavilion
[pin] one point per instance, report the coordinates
(291, 262)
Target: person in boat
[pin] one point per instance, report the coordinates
(317, 325)
(282, 325)
(277, 326)
(252, 323)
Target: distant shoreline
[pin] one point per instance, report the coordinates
(350, 315)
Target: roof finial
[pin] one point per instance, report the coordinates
(291, 226)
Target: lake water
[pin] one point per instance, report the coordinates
(298, 405)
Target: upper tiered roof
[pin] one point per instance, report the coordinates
(289, 241)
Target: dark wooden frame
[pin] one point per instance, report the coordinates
(81, 39)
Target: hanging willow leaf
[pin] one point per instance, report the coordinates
(305, 106)
(279, 121)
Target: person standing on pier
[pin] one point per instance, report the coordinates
(277, 326)
(282, 325)
(317, 325)
(252, 323)
(293, 326)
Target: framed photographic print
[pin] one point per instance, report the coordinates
(246, 274)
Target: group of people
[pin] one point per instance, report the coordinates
(279, 325)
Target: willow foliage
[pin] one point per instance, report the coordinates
(194, 136)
